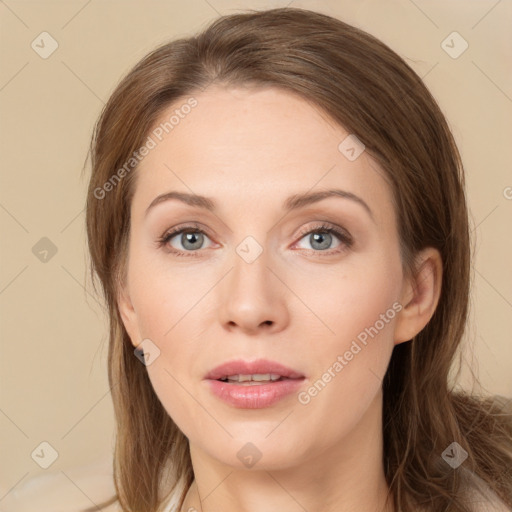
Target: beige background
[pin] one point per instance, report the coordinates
(53, 356)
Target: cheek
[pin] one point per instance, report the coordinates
(167, 305)
(359, 304)
(174, 392)
(349, 298)
(166, 293)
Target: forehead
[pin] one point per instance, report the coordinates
(252, 145)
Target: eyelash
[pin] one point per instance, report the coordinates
(344, 238)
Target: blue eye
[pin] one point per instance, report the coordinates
(320, 238)
(192, 239)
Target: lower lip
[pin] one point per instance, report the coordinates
(254, 396)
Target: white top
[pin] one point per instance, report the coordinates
(174, 499)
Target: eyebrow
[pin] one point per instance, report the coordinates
(291, 203)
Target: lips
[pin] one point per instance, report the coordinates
(258, 367)
(253, 384)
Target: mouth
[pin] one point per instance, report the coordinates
(261, 370)
(256, 379)
(253, 385)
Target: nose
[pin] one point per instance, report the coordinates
(253, 297)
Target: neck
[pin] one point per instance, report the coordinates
(341, 478)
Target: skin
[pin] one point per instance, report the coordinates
(249, 149)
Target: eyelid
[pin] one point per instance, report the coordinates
(344, 237)
(342, 234)
(163, 241)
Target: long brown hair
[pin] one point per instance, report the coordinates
(369, 90)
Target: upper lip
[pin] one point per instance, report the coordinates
(259, 366)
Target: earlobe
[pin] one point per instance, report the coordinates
(420, 295)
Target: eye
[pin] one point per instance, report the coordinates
(191, 240)
(320, 238)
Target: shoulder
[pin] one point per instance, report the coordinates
(69, 490)
(479, 494)
(173, 500)
(479, 503)
(481, 498)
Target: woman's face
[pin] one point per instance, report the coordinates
(252, 284)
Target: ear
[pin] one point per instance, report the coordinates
(420, 295)
(128, 315)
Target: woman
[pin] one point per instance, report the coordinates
(277, 218)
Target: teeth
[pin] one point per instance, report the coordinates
(257, 377)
